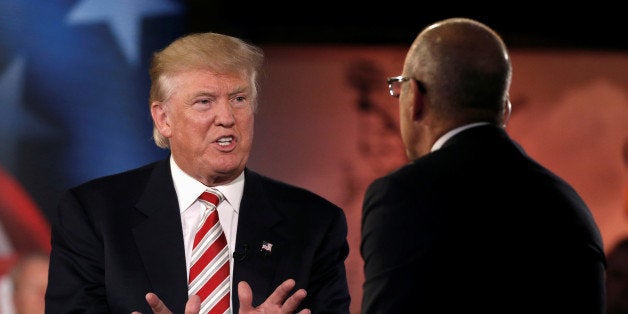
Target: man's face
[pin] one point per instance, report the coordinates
(209, 122)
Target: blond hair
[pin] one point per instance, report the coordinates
(216, 52)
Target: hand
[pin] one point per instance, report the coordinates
(275, 302)
(192, 306)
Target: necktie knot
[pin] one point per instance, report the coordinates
(211, 197)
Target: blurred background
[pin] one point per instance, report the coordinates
(74, 88)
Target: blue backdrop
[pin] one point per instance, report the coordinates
(74, 89)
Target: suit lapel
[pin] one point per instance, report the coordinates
(160, 243)
(159, 238)
(257, 237)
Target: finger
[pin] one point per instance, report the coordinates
(193, 305)
(156, 304)
(294, 300)
(305, 311)
(279, 295)
(245, 295)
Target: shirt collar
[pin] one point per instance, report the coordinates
(439, 143)
(188, 189)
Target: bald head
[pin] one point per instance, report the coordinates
(465, 69)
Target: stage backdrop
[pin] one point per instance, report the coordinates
(73, 106)
(326, 122)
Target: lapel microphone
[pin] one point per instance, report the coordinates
(239, 254)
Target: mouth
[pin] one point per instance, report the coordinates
(225, 141)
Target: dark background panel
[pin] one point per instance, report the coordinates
(590, 25)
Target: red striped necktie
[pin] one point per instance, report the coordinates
(209, 273)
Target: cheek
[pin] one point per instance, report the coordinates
(246, 122)
(190, 123)
(247, 136)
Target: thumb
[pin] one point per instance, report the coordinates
(245, 295)
(193, 306)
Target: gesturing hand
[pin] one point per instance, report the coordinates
(275, 303)
(192, 306)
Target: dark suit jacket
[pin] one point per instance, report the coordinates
(479, 227)
(118, 237)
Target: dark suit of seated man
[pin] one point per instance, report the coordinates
(472, 224)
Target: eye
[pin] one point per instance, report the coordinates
(239, 101)
(203, 101)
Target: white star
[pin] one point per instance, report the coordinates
(124, 18)
(15, 122)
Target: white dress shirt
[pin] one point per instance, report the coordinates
(441, 140)
(188, 190)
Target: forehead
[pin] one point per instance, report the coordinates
(208, 80)
(207, 75)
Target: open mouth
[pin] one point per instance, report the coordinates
(225, 141)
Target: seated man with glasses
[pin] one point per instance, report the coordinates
(472, 223)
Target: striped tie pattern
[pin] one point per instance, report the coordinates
(209, 273)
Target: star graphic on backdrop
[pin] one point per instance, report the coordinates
(124, 19)
(15, 122)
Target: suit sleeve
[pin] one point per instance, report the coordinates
(328, 287)
(76, 275)
(391, 249)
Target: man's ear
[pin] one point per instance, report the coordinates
(418, 101)
(507, 111)
(160, 117)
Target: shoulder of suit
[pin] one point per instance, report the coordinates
(286, 191)
(130, 177)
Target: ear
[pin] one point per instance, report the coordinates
(507, 111)
(418, 101)
(160, 118)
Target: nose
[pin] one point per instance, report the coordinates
(224, 113)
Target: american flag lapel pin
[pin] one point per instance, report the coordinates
(266, 248)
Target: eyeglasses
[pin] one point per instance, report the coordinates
(394, 84)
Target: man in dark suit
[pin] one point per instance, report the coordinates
(472, 224)
(122, 243)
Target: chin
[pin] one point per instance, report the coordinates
(229, 168)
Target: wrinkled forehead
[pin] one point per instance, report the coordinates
(205, 77)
